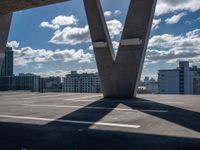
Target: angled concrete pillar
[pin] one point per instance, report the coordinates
(5, 21)
(120, 74)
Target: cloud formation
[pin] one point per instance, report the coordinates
(115, 13)
(46, 24)
(25, 55)
(13, 44)
(71, 36)
(63, 73)
(59, 21)
(171, 48)
(156, 23)
(176, 18)
(78, 35)
(170, 6)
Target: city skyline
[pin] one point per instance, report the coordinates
(58, 41)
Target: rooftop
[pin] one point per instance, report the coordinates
(80, 121)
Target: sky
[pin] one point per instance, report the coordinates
(55, 39)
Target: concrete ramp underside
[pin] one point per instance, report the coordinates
(8, 6)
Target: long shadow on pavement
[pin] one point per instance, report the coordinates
(62, 136)
(182, 117)
(18, 136)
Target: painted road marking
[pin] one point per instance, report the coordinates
(73, 121)
(47, 96)
(18, 95)
(84, 97)
(71, 99)
(99, 108)
(22, 94)
(160, 102)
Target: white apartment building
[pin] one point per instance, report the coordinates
(179, 81)
(148, 86)
(82, 83)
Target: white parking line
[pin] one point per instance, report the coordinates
(160, 102)
(100, 108)
(19, 94)
(73, 121)
(47, 96)
(77, 98)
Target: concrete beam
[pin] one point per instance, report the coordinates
(8, 6)
(120, 74)
(5, 21)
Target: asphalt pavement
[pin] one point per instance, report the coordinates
(83, 121)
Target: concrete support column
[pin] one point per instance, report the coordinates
(5, 21)
(120, 74)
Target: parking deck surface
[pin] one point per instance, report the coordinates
(81, 121)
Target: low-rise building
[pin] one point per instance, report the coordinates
(28, 82)
(148, 86)
(82, 83)
(51, 84)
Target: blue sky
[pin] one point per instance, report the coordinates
(53, 40)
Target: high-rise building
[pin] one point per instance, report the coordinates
(184, 77)
(7, 66)
(6, 71)
(82, 83)
(22, 82)
(179, 81)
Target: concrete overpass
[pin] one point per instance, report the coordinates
(119, 73)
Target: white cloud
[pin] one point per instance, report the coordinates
(156, 23)
(48, 25)
(21, 62)
(115, 13)
(171, 48)
(115, 46)
(176, 18)
(24, 56)
(63, 73)
(169, 6)
(78, 35)
(107, 13)
(13, 44)
(115, 27)
(65, 20)
(71, 35)
(59, 21)
(55, 73)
